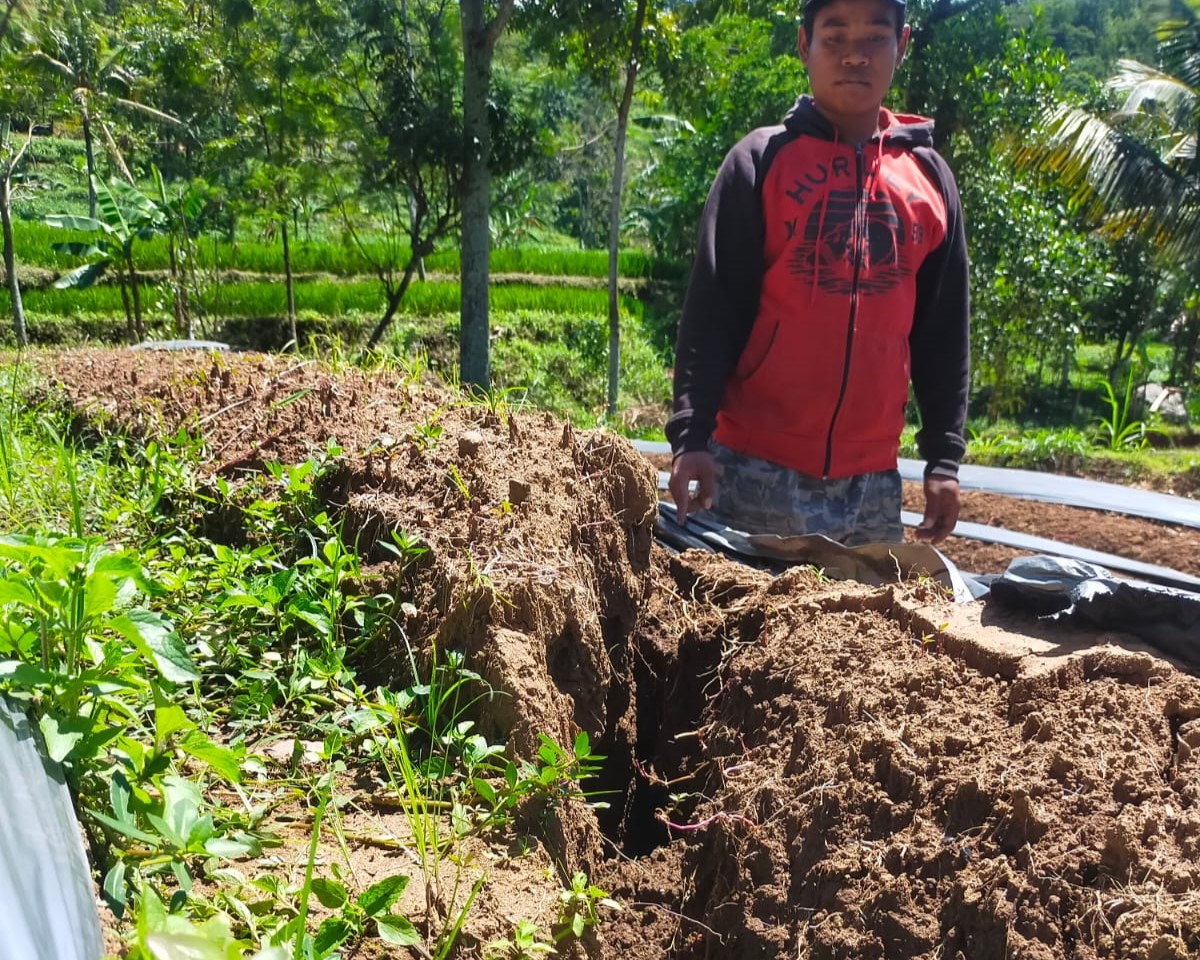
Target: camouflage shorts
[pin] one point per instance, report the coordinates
(756, 496)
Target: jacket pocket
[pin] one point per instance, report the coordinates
(757, 349)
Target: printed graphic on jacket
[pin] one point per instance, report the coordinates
(826, 247)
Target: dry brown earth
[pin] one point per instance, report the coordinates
(801, 768)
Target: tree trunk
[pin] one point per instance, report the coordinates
(614, 210)
(289, 286)
(138, 325)
(1189, 364)
(90, 156)
(130, 332)
(1118, 357)
(412, 217)
(10, 258)
(473, 338)
(394, 297)
(183, 314)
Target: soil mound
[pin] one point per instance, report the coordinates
(800, 767)
(538, 537)
(868, 793)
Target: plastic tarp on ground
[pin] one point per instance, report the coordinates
(872, 563)
(1071, 491)
(180, 345)
(1031, 544)
(1088, 595)
(47, 908)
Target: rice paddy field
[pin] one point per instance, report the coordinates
(548, 303)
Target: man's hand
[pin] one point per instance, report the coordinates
(696, 465)
(941, 509)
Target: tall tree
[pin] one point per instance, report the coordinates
(947, 39)
(6, 17)
(20, 93)
(281, 67)
(726, 79)
(402, 71)
(632, 65)
(608, 40)
(1137, 171)
(482, 24)
(10, 158)
(74, 46)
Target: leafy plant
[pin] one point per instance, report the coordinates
(168, 830)
(99, 672)
(64, 597)
(579, 906)
(427, 433)
(125, 216)
(1119, 430)
(170, 936)
(554, 777)
(408, 547)
(1032, 448)
(353, 917)
(557, 773)
(523, 945)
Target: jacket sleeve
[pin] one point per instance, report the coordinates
(722, 298)
(939, 343)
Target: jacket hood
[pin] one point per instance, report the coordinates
(904, 130)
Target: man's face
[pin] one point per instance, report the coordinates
(851, 56)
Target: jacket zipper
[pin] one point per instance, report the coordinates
(858, 231)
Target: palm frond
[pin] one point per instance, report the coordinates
(44, 59)
(1180, 47)
(1160, 95)
(1182, 152)
(1116, 180)
(149, 112)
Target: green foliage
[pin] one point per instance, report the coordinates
(1119, 429)
(1042, 448)
(125, 215)
(1032, 272)
(42, 483)
(523, 945)
(727, 80)
(579, 906)
(331, 298)
(560, 360)
(170, 936)
(1135, 172)
(250, 253)
(98, 672)
(353, 917)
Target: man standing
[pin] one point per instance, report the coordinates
(831, 268)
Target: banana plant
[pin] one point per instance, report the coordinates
(1137, 170)
(124, 215)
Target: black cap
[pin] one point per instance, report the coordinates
(810, 7)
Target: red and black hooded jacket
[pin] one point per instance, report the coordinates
(826, 276)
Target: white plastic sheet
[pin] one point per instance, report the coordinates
(47, 909)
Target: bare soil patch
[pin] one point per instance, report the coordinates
(801, 768)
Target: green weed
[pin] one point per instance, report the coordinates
(99, 673)
(352, 918)
(524, 944)
(1120, 429)
(579, 907)
(163, 935)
